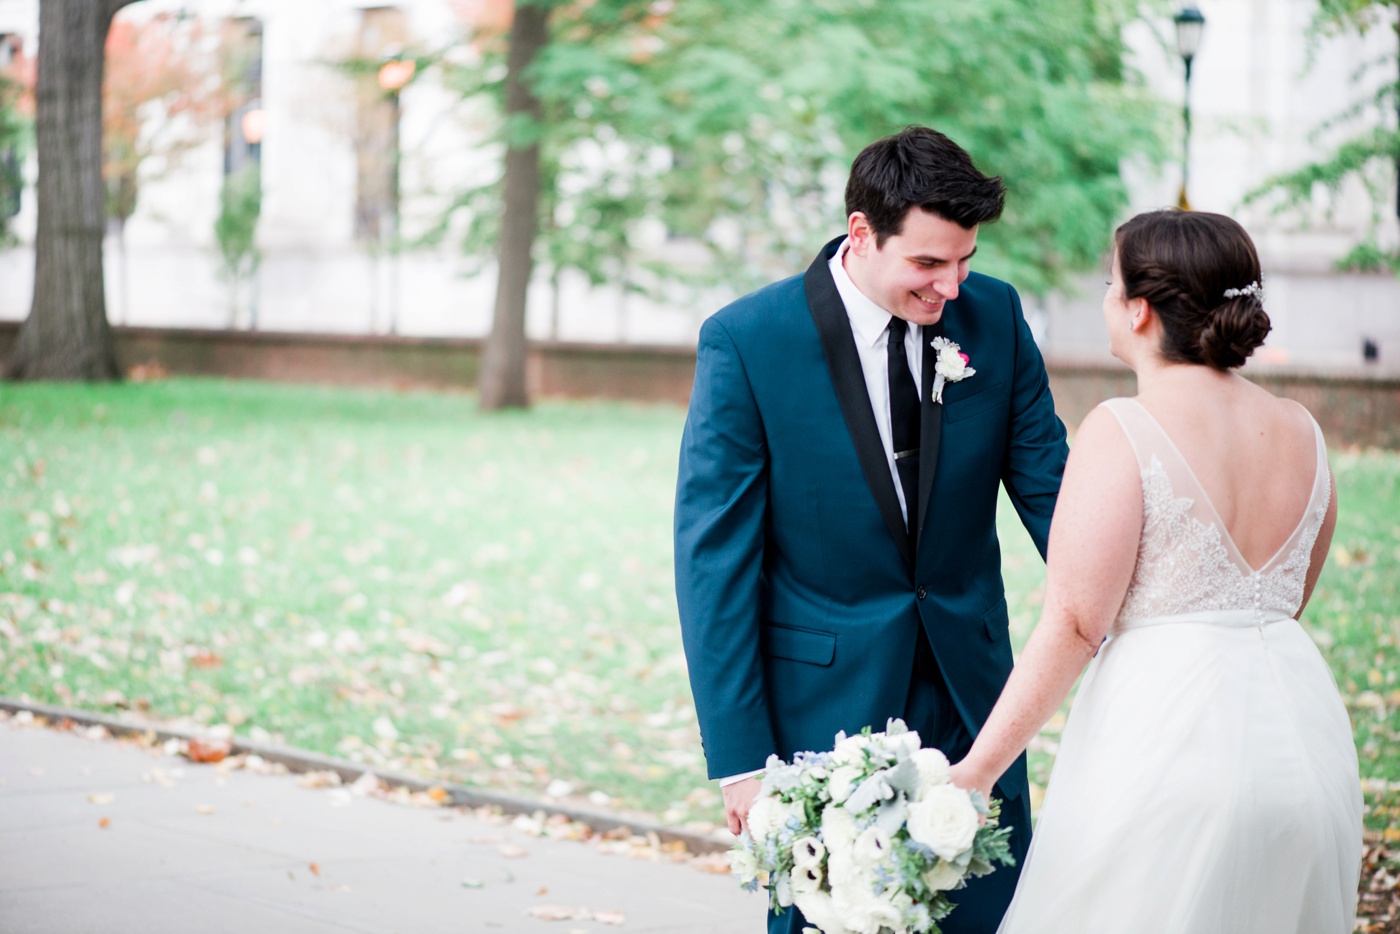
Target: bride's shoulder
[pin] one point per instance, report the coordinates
(1103, 434)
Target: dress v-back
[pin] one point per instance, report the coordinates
(1206, 781)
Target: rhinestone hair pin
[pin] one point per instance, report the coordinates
(1254, 288)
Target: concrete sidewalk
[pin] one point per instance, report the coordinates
(108, 837)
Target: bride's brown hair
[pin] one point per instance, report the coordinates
(1183, 263)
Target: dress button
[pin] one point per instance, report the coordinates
(921, 592)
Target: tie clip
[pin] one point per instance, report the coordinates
(900, 455)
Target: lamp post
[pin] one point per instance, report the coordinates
(1190, 24)
(393, 75)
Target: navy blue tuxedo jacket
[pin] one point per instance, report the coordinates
(800, 602)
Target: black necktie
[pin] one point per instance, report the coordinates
(904, 422)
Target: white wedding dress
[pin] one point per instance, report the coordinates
(1206, 782)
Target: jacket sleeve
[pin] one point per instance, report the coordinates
(721, 505)
(1037, 450)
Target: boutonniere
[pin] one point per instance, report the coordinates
(951, 366)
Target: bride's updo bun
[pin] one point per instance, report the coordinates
(1184, 263)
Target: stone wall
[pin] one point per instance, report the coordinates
(1354, 407)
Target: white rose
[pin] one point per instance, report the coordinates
(851, 750)
(769, 817)
(839, 831)
(851, 895)
(950, 364)
(808, 851)
(906, 743)
(864, 910)
(817, 907)
(944, 821)
(933, 769)
(843, 782)
(744, 865)
(943, 877)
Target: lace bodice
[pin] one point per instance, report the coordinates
(1187, 562)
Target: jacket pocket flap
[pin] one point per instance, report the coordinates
(997, 620)
(800, 645)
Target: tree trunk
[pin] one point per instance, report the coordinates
(502, 383)
(67, 335)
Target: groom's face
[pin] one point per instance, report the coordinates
(916, 271)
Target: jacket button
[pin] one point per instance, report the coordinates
(921, 592)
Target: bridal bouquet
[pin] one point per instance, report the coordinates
(867, 838)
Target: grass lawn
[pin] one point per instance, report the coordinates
(396, 579)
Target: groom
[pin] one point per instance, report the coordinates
(836, 552)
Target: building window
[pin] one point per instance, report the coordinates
(243, 68)
(383, 36)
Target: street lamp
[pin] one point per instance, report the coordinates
(394, 74)
(1190, 24)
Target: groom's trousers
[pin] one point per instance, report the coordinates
(930, 710)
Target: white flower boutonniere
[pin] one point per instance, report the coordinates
(951, 367)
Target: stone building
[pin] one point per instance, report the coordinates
(332, 203)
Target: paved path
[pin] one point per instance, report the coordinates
(107, 837)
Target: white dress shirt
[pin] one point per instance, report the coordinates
(869, 326)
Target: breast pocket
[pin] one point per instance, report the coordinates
(982, 401)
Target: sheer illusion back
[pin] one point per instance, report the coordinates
(1187, 561)
(1206, 780)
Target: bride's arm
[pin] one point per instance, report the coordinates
(1093, 549)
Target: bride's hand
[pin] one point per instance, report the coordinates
(967, 778)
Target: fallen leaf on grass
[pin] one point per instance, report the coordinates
(207, 660)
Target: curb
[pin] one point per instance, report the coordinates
(300, 760)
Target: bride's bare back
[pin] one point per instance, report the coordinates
(1252, 452)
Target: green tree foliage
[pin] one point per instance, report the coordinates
(235, 231)
(15, 133)
(1369, 151)
(734, 122)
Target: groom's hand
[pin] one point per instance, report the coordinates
(738, 798)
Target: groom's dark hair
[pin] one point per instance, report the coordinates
(920, 167)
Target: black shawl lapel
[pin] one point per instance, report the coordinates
(847, 377)
(930, 427)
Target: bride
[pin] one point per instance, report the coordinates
(1207, 779)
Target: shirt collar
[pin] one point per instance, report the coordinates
(868, 320)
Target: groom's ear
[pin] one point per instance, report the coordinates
(861, 234)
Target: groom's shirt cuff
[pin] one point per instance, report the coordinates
(731, 779)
